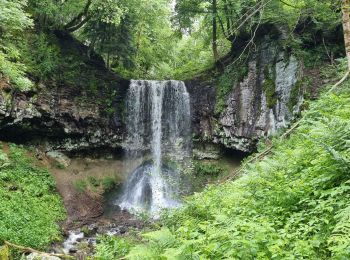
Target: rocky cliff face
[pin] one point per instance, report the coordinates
(66, 117)
(263, 102)
(202, 101)
(267, 93)
(73, 118)
(59, 118)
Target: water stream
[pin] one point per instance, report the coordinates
(158, 142)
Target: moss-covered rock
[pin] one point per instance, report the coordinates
(269, 89)
(295, 95)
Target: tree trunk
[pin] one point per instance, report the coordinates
(108, 60)
(215, 37)
(346, 28)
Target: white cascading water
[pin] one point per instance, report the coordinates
(158, 130)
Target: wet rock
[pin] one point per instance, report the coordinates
(123, 230)
(69, 246)
(72, 250)
(93, 228)
(59, 158)
(260, 104)
(37, 256)
(91, 241)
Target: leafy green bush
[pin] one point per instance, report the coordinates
(29, 205)
(13, 21)
(293, 204)
(80, 185)
(109, 248)
(95, 184)
(42, 56)
(15, 72)
(94, 181)
(209, 169)
(108, 183)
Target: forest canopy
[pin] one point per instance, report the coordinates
(147, 38)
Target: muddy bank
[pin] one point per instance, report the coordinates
(82, 185)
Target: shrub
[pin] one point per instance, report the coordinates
(108, 183)
(94, 181)
(109, 248)
(208, 169)
(80, 185)
(29, 205)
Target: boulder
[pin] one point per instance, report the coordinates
(37, 256)
(60, 158)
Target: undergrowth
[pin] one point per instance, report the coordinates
(293, 204)
(29, 205)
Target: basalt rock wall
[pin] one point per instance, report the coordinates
(64, 116)
(74, 118)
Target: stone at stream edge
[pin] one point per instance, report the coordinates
(59, 157)
(36, 256)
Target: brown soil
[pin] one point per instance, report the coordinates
(85, 205)
(316, 82)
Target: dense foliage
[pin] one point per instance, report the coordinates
(13, 21)
(29, 207)
(109, 247)
(293, 204)
(147, 39)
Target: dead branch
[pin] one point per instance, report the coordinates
(251, 39)
(31, 250)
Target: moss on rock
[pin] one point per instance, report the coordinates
(269, 87)
(294, 95)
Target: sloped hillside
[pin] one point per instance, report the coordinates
(293, 204)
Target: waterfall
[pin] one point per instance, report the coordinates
(158, 141)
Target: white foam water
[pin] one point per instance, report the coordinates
(158, 127)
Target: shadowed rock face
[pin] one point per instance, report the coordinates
(68, 118)
(59, 118)
(262, 103)
(202, 102)
(62, 116)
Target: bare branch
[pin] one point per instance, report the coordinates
(251, 40)
(31, 250)
(79, 19)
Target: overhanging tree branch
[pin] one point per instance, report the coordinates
(79, 25)
(80, 19)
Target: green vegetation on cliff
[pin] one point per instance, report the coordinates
(13, 22)
(293, 204)
(158, 39)
(30, 207)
